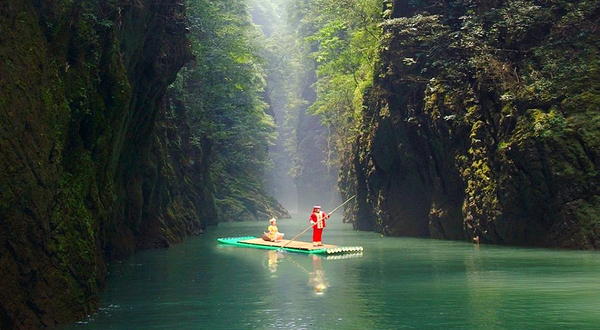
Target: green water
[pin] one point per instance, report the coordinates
(397, 283)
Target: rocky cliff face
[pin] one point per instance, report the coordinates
(482, 124)
(95, 160)
(175, 198)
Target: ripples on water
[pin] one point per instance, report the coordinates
(396, 283)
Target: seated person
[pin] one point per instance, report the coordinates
(273, 235)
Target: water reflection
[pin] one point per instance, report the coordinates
(400, 283)
(317, 277)
(273, 259)
(342, 256)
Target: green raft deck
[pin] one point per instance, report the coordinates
(300, 247)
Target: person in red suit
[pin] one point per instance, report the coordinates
(317, 220)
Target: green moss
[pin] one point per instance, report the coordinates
(548, 124)
(538, 124)
(503, 145)
(72, 222)
(588, 213)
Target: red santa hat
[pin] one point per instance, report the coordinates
(317, 207)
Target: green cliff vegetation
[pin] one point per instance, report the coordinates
(223, 95)
(336, 44)
(127, 125)
(305, 170)
(101, 158)
(279, 51)
(339, 44)
(462, 119)
(480, 123)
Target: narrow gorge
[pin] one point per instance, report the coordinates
(129, 125)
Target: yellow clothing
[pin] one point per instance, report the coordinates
(320, 221)
(272, 231)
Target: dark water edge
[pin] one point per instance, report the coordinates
(396, 283)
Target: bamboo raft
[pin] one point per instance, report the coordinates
(294, 246)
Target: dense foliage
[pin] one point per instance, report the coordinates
(437, 109)
(279, 52)
(304, 150)
(343, 38)
(223, 92)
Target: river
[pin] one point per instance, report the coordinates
(396, 283)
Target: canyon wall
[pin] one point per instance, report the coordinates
(483, 125)
(96, 159)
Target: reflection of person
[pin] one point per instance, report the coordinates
(273, 256)
(273, 233)
(317, 220)
(317, 276)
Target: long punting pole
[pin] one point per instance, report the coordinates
(309, 227)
